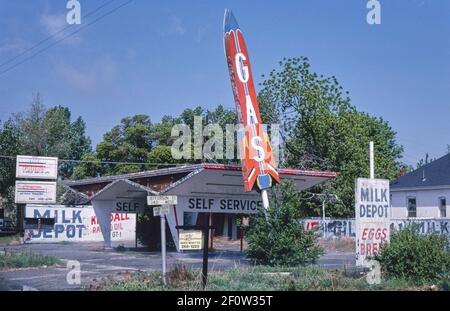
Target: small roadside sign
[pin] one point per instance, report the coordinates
(35, 192)
(191, 240)
(36, 167)
(160, 210)
(162, 200)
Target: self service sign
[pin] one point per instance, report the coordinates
(372, 210)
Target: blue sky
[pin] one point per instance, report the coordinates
(160, 57)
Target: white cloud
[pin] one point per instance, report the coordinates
(15, 46)
(55, 25)
(88, 80)
(174, 27)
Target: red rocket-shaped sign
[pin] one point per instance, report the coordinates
(258, 163)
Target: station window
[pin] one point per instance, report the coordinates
(443, 207)
(412, 207)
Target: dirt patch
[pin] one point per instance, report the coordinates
(221, 243)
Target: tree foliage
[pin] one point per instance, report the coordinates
(323, 131)
(277, 237)
(50, 132)
(138, 144)
(414, 256)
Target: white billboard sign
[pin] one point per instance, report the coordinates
(78, 224)
(37, 192)
(36, 167)
(162, 200)
(372, 210)
(191, 240)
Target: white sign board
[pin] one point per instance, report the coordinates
(161, 210)
(38, 192)
(372, 210)
(191, 240)
(36, 167)
(231, 205)
(162, 200)
(78, 224)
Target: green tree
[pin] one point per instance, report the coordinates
(10, 145)
(128, 142)
(276, 237)
(50, 132)
(89, 167)
(323, 131)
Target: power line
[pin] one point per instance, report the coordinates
(52, 35)
(65, 37)
(107, 162)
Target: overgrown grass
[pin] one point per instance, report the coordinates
(259, 278)
(26, 259)
(7, 239)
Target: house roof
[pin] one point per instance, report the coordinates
(434, 174)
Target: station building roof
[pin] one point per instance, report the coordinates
(198, 179)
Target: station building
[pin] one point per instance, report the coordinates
(201, 188)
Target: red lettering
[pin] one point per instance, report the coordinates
(93, 220)
(384, 235)
(364, 235)
(374, 248)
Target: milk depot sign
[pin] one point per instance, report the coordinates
(78, 224)
(372, 210)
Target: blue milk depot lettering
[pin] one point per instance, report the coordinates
(224, 204)
(68, 223)
(370, 210)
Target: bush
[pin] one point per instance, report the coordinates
(281, 240)
(416, 257)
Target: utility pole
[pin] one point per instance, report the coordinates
(162, 218)
(372, 160)
(323, 217)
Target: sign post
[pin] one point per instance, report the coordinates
(163, 248)
(162, 209)
(205, 229)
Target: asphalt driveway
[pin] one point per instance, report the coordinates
(98, 263)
